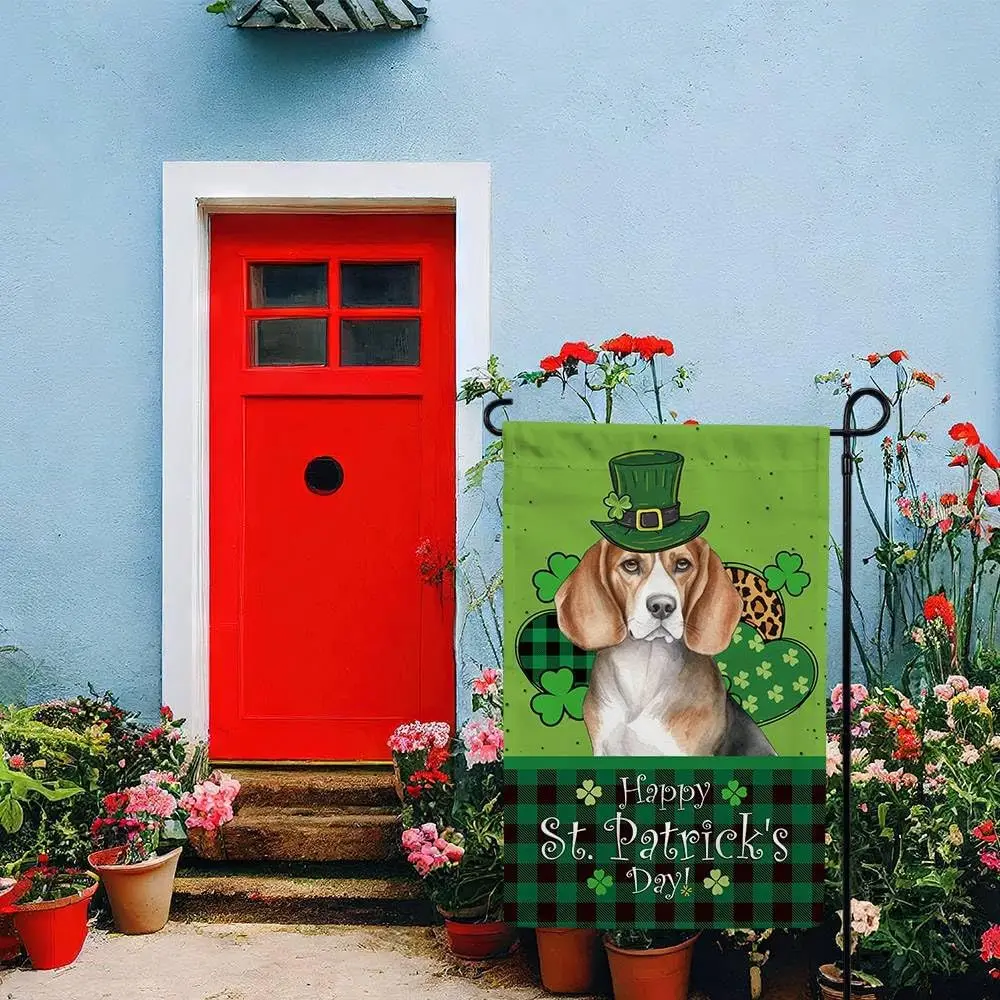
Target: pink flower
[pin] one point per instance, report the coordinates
(483, 740)
(150, 800)
(991, 860)
(944, 692)
(834, 758)
(487, 681)
(210, 804)
(412, 737)
(981, 693)
(958, 683)
(16, 762)
(859, 694)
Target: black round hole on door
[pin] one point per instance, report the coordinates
(324, 475)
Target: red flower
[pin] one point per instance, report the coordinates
(896, 356)
(907, 744)
(973, 490)
(578, 350)
(873, 359)
(925, 379)
(986, 832)
(436, 757)
(43, 859)
(945, 524)
(990, 859)
(966, 433)
(690, 423)
(166, 713)
(991, 943)
(988, 457)
(550, 364)
(959, 460)
(623, 344)
(16, 762)
(649, 347)
(937, 606)
(945, 398)
(949, 499)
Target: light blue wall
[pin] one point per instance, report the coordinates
(775, 186)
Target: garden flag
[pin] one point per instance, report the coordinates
(665, 677)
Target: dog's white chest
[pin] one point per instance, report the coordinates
(631, 685)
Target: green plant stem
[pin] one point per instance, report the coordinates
(656, 389)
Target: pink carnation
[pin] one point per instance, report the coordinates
(957, 683)
(412, 737)
(210, 804)
(944, 692)
(487, 682)
(981, 693)
(150, 800)
(483, 740)
(427, 850)
(859, 694)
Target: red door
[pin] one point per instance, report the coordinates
(332, 429)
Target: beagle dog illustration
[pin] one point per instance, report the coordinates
(655, 602)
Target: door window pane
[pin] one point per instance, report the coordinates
(289, 341)
(380, 342)
(385, 285)
(283, 285)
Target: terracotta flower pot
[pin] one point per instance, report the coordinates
(651, 974)
(140, 894)
(831, 985)
(53, 931)
(570, 959)
(492, 939)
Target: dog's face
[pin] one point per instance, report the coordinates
(680, 594)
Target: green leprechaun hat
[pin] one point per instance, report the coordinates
(643, 503)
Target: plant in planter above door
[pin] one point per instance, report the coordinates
(49, 906)
(650, 965)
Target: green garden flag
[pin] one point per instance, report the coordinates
(665, 602)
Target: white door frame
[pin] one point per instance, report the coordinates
(192, 192)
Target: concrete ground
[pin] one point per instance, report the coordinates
(277, 962)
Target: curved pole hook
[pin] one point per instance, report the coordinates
(849, 430)
(488, 415)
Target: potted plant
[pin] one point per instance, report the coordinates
(650, 965)
(145, 827)
(453, 819)
(410, 743)
(571, 960)
(731, 963)
(865, 918)
(49, 906)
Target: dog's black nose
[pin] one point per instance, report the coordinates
(661, 605)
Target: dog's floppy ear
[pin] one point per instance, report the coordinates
(587, 612)
(711, 618)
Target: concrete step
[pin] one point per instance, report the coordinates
(319, 787)
(268, 833)
(342, 893)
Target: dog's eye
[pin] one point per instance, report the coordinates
(681, 565)
(630, 565)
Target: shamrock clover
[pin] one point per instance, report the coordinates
(742, 679)
(723, 667)
(750, 703)
(786, 573)
(617, 505)
(764, 670)
(801, 685)
(737, 636)
(600, 882)
(716, 881)
(589, 792)
(756, 644)
(548, 581)
(734, 793)
(791, 657)
(775, 694)
(558, 697)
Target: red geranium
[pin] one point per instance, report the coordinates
(986, 832)
(690, 423)
(959, 460)
(649, 347)
(873, 359)
(896, 356)
(623, 344)
(925, 378)
(907, 744)
(992, 498)
(966, 433)
(973, 490)
(937, 606)
(580, 351)
(550, 364)
(949, 499)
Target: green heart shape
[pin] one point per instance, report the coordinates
(540, 647)
(548, 581)
(769, 679)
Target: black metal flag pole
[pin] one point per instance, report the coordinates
(848, 431)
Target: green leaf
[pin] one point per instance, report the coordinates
(219, 7)
(11, 814)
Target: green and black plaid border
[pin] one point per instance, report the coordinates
(589, 889)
